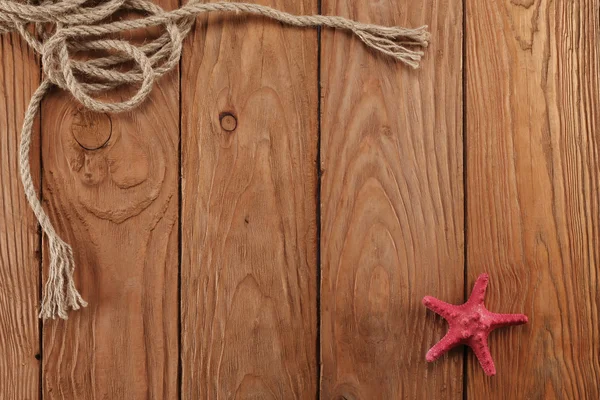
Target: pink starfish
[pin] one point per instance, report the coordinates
(470, 324)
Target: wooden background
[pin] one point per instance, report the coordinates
(286, 257)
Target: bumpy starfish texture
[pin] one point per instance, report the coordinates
(470, 324)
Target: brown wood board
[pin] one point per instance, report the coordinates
(391, 206)
(532, 192)
(117, 205)
(20, 254)
(248, 293)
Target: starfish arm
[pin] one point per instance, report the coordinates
(480, 347)
(499, 320)
(440, 307)
(448, 342)
(478, 293)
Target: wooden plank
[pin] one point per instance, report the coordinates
(248, 299)
(533, 167)
(118, 207)
(392, 206)
(19, 240)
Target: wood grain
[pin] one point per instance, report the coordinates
(392, 206)
(20, 259)
(248, 293)
(533, 168)
(118, 206)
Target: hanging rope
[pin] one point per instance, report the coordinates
(65, 28)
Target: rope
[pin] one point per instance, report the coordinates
(68, 27)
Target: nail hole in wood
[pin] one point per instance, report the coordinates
(228, 122)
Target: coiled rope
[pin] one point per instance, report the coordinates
(68, 27)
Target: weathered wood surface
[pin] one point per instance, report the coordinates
(248, 215)
(20, 257)
(118, 206)
(248, 317)
(392, 206)
(533, 180)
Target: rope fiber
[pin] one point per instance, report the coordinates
(63, 30)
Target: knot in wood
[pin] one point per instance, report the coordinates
(228, 122)
(90, 129)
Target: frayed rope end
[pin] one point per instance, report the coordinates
(396, 42)
(60, 293)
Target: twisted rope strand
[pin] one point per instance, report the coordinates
(63, 29)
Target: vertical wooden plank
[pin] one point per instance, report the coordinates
(19, 240)
(392, 206)
(248, 298)
(118, 207)
(533, 167)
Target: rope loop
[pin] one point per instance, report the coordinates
(72, 34)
